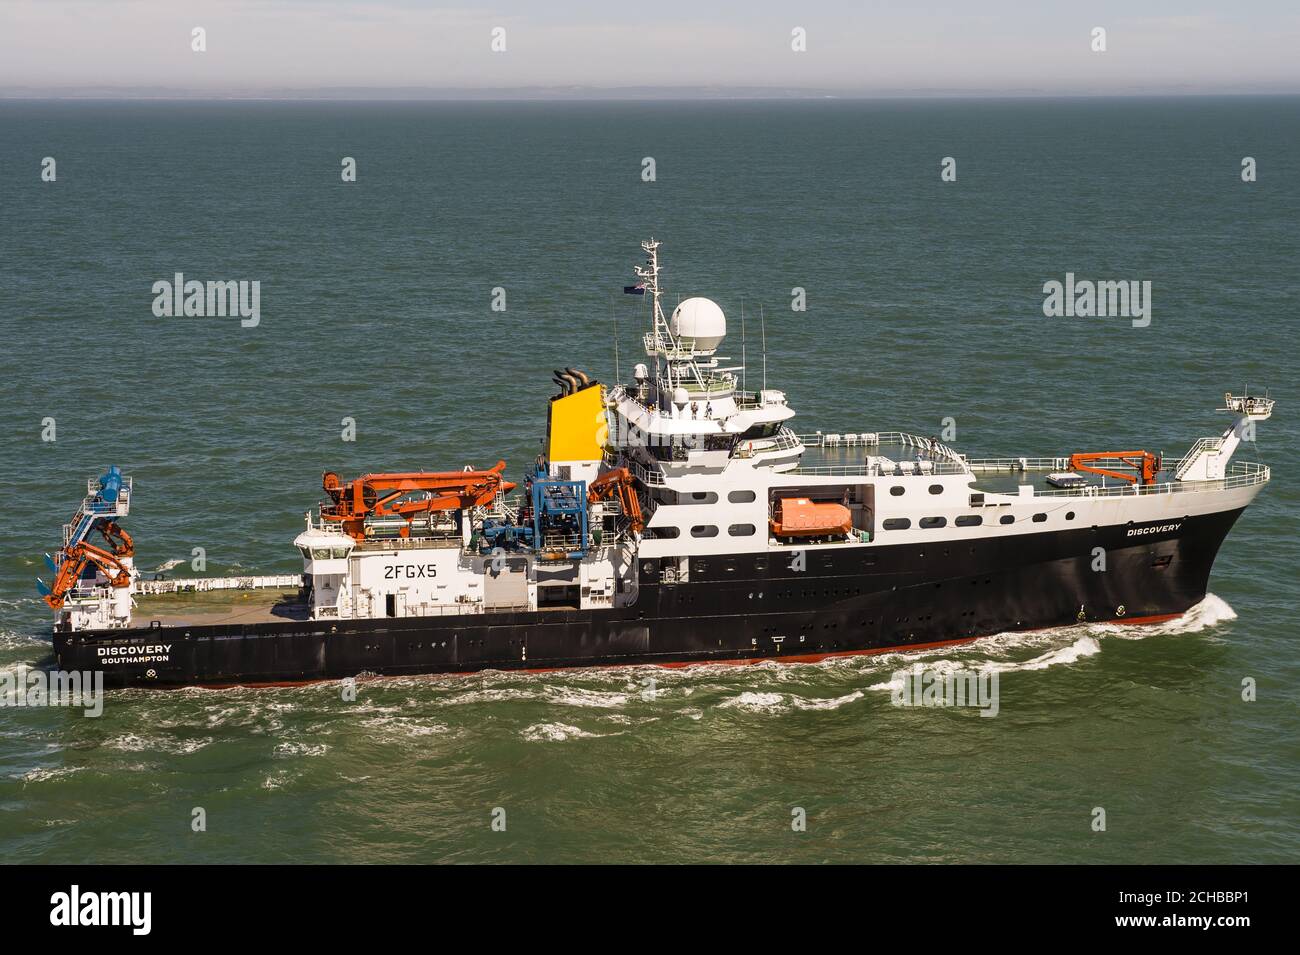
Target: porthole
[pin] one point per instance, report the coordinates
(1069, 515)
(898, 490)
(897, 524)
(740, 497)
(1039, 518)
(704, 530)
(932, 522)
(969, 520)
(936, 488)
(742, 530)
(1006, 519)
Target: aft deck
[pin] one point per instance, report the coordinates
(218, 607)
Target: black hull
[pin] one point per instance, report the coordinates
(735, 608)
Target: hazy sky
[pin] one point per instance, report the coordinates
(58, 47)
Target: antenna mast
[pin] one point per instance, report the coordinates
(662, 337)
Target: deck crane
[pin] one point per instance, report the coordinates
(1143, 462)
(390, 495)
(108, 498)
(621, 485)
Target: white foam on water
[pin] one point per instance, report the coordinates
(167, 565)
(1081, 648)
(503, 695)
(1211, 611)
(406, 726)
(802, 703)
(755, 702)
(300, 749)
(577, 696)
(134, 743)
(557, 733)
(41, 775)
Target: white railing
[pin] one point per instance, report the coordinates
(1019, 464)
(648, 476)
(936, 449)
(1240, 474)
(1188, 459)
(202, 584)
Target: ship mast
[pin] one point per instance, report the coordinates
(662, 341)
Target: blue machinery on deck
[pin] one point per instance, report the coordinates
(558, 528)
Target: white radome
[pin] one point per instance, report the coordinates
(700, 320)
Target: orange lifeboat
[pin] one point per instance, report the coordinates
(801, 517)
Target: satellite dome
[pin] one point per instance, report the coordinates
(699, 324)
(680, 396)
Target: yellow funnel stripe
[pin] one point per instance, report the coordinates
(577, 430)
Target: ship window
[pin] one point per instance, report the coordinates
(740, 497)
(1039, 518)
(1069, 515)
(929, 522)
(320, 553)
(1006, 519)
(969, 520)
(306, 554)
(936, 488)
(898, 490)
(742, 530)
(704, 530)
(700, 497)
(663, 533)
(760, 563)
(897, 524)
(340, 553)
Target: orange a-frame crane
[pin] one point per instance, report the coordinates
(1145, 462)
(619, 483)
(77, 556)
(386, 495)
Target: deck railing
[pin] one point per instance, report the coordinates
(1239, 474)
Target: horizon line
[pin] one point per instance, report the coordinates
(573, 93)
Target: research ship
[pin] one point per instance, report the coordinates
(672, 519)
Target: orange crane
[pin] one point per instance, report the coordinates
(1140, 461)
(77, 556)
(619, 483)
(387, 495)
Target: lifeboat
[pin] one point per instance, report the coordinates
(801, 517)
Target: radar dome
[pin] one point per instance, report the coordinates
(699, 324)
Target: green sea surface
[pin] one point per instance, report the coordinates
(924, 302)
